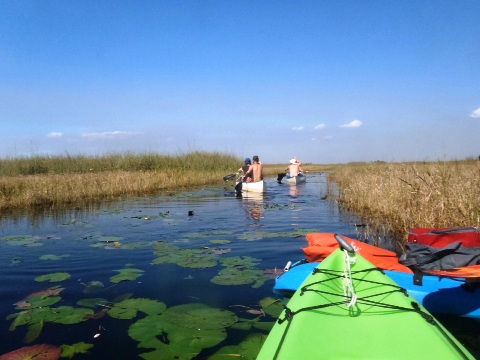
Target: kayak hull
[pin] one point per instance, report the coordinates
(383, 323)
(251, 187)
(437, 294)
(254, 187)
(297, 179)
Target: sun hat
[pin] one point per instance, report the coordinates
(247, 160)
(293, 161)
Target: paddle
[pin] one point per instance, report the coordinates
(281, 176)
(229, 177)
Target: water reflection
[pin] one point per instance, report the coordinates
(254, 204)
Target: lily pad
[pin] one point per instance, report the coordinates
(69, 351)
(22, 240)
(239, 276)
(127, 309)
(243, 261)
(38, 301)
(93, 287)
(92, 302)
(220, 242)
(199, 316)
(272, 306)
(127, 274)
(248, 349)
(188, 258)
(53, 277)
(53, 257)
(248, 324)
(43, 351)
(181, 332)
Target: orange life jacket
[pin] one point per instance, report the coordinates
(320, 245)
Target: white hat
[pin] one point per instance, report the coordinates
(293, 161)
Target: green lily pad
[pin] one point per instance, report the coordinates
(248, 349)
(195, 258)
(163, 247)
(240, 261)
(93, 287)
(181, 332)
(238, 276)
(248, 324)
(272, 306)
(69, 351)
(127, 309)
(33, 332)
(220, 242)
(69, 315)
(188, 258)
(92, 302)
(53, 277)
(127, 274)
(53, 257)
(199, 316)
(38, 301)
(22, 240)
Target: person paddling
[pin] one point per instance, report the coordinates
(294, 168)
(256, 169)
(244, 169)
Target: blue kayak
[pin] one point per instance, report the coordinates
(437, 294)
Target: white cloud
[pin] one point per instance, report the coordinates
(475, 113)
(353, 124)
(319, 127)
(55, 134)
(109, 135)
(298, 128)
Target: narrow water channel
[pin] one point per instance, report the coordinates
(142, 277)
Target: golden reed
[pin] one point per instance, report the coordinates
(400, 196)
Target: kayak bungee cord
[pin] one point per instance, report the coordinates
(347, 283)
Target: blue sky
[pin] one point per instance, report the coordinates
(327, 81)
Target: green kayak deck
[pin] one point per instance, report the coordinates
(384, 322)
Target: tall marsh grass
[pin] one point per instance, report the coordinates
(398, 196)
(53, 181)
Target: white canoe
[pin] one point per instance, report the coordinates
(254, 187)
(297, 179)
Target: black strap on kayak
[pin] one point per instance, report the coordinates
(415, 307)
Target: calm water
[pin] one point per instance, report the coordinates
(93, 246)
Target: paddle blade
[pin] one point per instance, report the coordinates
(229, 177)
(281, 176)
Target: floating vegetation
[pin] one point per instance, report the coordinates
(41, 313)
(22, 240)
(217, 251)
(181, 332)
(126, 274)
(53, 257)
(128, 308)
(272, 306)
(188, 258)
(107, 242)
(220, 242)
(43, 351)
(240, 261)
(53, 277)
(16, 261)
(93, 287)
(248, 349)
(69, 351)
(93, 302)
(240, 271)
